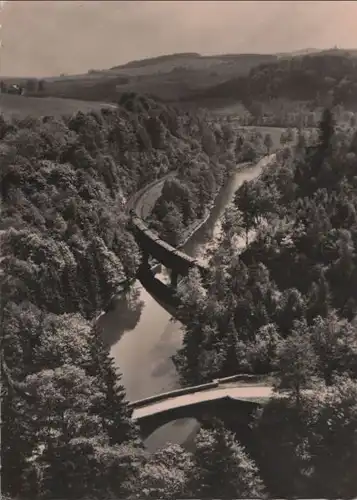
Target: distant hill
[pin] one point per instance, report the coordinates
(194, 79)
(240, 63)
(148, 61)
(317, 77)
(297, 53)
(311, 51)
(169, 78)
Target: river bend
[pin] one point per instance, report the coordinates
(142, 336)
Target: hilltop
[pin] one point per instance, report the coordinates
(325, 77)
(169, 78)
(191, 79)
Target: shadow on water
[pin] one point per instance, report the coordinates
(186, 428)
(128, 307)
(143, 337)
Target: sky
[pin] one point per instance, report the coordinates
(46, 38)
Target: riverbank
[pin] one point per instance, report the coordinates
(143, 201)
(195, 226)
(142, 335)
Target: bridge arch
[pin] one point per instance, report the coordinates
(181, 431)
(236, 413)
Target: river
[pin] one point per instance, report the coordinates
(143, 337)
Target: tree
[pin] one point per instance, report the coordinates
(30, 85)
(165, 474)
(63, 340)
(283, 138)
(17, 442)
(248, 152)
(326, 128)
(89, 467)
(113, 407)
(57, 410)
(296, 361)
(172, 225)
(332, 441)
(64, 398)
(268, 142)
(335, 344)
(301, 142)
(280, 430)
(232, 223)
(261, 354)
(222, 468)
(41, 85)
(289, 135)
(245, 202)
(175, 191)
(292, 307)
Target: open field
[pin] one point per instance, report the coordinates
(22, 106)
(172, 77)
(195, 81)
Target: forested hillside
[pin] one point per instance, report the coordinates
(66, 427)
(287, 307)
(320, 77)
(185, 198)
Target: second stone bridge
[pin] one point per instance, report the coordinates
(231, 400)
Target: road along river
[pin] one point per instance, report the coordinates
(143, 338)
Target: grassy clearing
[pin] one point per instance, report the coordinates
(22, 106)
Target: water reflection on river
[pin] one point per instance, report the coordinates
(143, 351)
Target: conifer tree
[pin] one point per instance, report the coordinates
(114, 409)
(222, 468)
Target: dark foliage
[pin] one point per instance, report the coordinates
(185, 199)
(331, 76)
(286, 306)
(67, 430)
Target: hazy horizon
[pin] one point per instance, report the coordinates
(47, 38)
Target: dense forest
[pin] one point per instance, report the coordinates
(66, 426)
(320, 77)
(286, 306)
(186, 198)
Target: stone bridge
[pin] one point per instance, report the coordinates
(230, 400)
(152, 245)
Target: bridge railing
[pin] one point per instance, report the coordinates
(142, 227)
(172, 394)
(244, 377)
(135, 198)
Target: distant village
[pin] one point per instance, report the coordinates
(30, 87)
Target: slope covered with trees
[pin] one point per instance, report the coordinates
(66, 426)
(185, 199)
(286, 306)
(314, 78)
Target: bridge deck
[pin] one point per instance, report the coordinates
(237, 392)
(142, 227)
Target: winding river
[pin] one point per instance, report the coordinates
(143, 337)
